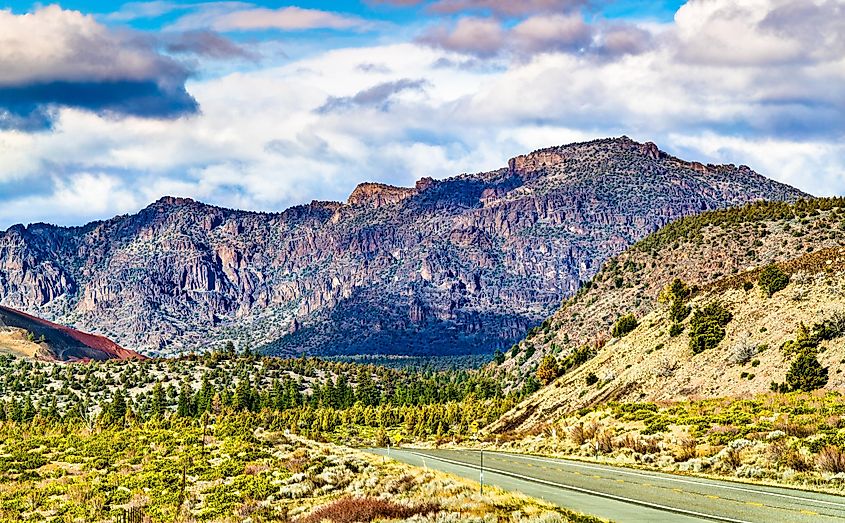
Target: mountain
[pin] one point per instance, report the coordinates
(456, 266)
(24, 335)
(727, 261)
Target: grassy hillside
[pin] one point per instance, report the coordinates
(718, 256)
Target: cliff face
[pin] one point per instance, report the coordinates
(456, 266)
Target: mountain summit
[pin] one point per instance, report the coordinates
(455, 266)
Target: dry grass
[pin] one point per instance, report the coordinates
(686, 449)
(831, 459)
(637, 443)
(795, 429)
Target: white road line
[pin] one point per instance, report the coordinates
(669, 478)
(593, 492)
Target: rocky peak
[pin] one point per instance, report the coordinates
(173, 201)
(378, 194)
(650, 150)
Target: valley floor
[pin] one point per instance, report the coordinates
(169, 471)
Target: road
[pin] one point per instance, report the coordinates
(627, 495)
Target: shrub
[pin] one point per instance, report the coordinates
(732, 457)
(743, 351)
(656, 424)
(686, 449)
(831, 459)
(624, 325)
(577, 357)
(707, 327)
(548, 370)
(592, 379)
(806, 374)
(604, 441)
(676, 293)
(676, 329)
(576, 434)
(772, 279)
(364, 510)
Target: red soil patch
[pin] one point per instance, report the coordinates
(92, 341)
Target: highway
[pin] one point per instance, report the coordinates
(627, 495)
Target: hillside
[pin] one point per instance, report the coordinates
(452, 267)
(27, 336)
(719, 257)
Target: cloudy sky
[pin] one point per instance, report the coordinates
(105, 107)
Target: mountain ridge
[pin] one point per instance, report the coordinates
(471, 261)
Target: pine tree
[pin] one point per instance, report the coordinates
(205, 395)
(243, 395)
(117, 408)
(158, 402)
(184, 407)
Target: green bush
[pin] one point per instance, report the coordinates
(772, 279)
(806, 374)
(675, 329)
(592, 379)
(624, 325)
(707, 327)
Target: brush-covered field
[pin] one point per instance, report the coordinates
(228, 470)
(795, 439)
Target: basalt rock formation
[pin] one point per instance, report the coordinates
(456, 266)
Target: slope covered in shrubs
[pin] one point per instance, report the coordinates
(726, 282)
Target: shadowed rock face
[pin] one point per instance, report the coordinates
(455, 266)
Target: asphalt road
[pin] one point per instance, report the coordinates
(626, 495)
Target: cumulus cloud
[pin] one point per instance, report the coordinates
(569, 33)
(271, 137)
(552, 33)
(53, 58)
(476, 36)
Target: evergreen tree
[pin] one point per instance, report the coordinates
(117, 408)
(158, 401)
(184, 407)
(806, 373)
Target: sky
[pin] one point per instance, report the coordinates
(107, 106)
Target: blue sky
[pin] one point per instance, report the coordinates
(105, 107)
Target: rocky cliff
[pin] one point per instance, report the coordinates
(456, 266)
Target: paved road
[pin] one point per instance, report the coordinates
(626, 495)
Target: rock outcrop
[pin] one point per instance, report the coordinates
(456, 266)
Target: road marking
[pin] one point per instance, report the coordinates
(809, 513)
(680, 480)
(754, 504)
(713, 497)
(620, 481)
(679, 491)
(591, 492)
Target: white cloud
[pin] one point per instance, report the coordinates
(261, 141)
(240, 17)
